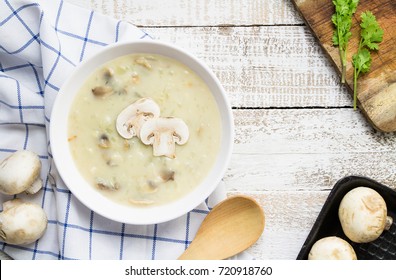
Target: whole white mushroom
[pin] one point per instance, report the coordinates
(20, 172)
(332, 248)
(363, 215)
(22, 222)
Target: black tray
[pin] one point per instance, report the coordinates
(328, 224)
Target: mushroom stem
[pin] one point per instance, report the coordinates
(36, 186)
(388, 223)
(164, 144)
(163, 134)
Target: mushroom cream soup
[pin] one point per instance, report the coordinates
(107, 148)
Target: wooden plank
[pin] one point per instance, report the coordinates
(264, 67)
(377, 89)
(196, 13)
(289, 218)
(306, 150)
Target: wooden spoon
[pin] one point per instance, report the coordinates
(231, 227)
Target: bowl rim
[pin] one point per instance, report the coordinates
(73, 179)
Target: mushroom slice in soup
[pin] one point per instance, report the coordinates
(152, 186)
(102, 91)
(141, 202)
(106, 184)
(163, 134)
(108, 74)
(143, 62)
(104, 141)
(167, 175)
(131, 119)
(135, 78)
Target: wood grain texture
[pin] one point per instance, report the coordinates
(289, 218)
(196, 13)
(264, 66)
(231, 227)
(377, 88)
(306, 150)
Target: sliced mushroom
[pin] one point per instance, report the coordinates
(130, 120)
(108, 74)
(153, 185)
(167, 175)
(109, 185)
(20, 172)
(141, 202)
(163, 134)
(135, 78)
(143, 62)
(104, 141)
(22, 222)
(149, 187)
(102, 91)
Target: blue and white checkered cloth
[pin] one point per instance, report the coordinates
(41, 42)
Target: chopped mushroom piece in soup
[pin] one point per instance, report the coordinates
(141, 93)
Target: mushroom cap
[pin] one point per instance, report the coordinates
(176, 126)
(130, 120)
(22, 222)
(19, 171)
(363, 214)
(332, 248)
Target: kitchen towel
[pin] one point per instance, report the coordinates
(41, 42)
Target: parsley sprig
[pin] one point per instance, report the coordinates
(342, 19)
(371, 35)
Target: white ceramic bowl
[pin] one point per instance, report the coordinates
(86, 193)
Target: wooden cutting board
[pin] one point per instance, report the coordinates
(377, 88)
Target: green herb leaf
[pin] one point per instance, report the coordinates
(362, 61)
(342, 20)
(371, 35)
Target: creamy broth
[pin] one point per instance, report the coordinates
(125, 170)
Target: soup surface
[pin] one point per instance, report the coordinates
(125, 170)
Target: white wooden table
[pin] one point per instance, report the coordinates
(296, 131)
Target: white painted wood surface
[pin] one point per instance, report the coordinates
(196, 12)
(296, 132)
